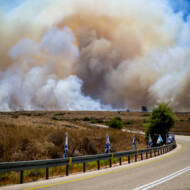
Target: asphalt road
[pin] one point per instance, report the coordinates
(167, 172)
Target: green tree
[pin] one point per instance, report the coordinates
(116, 122)
(161, 120)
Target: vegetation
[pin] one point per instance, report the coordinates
(116, 123)
(59, 114)
(144, 109)
(86, 119)
(161, 120)
(35, 135)
(130, 122)
(34, 143)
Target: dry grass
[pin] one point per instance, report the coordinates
(41, 135)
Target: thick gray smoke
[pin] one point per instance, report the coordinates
(79, 55)
(28, 85)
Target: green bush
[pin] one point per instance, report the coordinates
(116, 123)
(130, 122)
(93, 121)
(59, 114)
(86, 119)
(144, 109)
(100, 121)
(161, 120)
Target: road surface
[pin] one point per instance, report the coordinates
(167, 172)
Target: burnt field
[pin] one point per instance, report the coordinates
(28, 135)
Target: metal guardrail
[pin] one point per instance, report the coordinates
(26, 165)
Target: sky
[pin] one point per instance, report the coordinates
(7, 5)
(181, 5)
(177, 5)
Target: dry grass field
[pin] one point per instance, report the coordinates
(41, 135)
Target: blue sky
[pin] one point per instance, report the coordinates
(181, 5)
(177, 5)
(7, 5)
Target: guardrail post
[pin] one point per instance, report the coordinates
(110, 162)
(67, 169)
(129, 159)
(84, 167)
(135, 157)
(141, 156)
(120, 161)
(146, 155)
(21, 176)
(98, 164)
(47, 173)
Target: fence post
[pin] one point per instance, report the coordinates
(151, 154)
(110, 162)
(141, 156)
(129, 159)
(98, 164)
(120, 161)
(67, 169)
(84, 167)
(146, 155)
(135, 157)
(21, 176)
(47, 173)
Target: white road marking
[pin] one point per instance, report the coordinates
(163, 180)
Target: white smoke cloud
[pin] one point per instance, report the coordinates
(36, 88)
(80, 55)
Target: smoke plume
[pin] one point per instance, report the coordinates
(94, 55)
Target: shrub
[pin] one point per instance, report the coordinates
(59, 114)
(116, 123)
(86, 119)
(161, 120)
(145, 121)
(144, 109)
(130, 122)
(100, 121)
(93, 121)
(54, 118)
